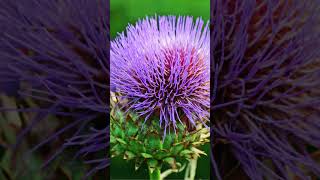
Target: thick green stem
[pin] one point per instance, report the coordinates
(155, 174)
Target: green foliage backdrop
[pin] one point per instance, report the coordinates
(123, 12)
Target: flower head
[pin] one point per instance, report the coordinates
(161, 67)
(59, 51)
(266, 88)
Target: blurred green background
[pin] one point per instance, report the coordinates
(124, 12)
(21, 165)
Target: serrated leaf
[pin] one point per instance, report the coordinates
(145, 155)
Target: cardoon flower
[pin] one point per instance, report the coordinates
(161, 66)
(59, 51)
(160, 81)
(265, 108)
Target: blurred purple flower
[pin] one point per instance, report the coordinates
(266, 79)
(59, 51)
(161, 66)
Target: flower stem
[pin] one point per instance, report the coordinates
(155, 174)
(191, 169)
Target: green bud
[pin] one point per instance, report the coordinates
(149, 144)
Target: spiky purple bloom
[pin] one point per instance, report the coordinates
(266, 79)
(59, 51)
(161, 67)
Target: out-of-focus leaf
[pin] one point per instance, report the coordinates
(12, 117)
(2, 151)
(6, 174)
(75, 170)
(2, 176)
(5, 166)
(78, 170)
(32, 170)
(9, 120)
(66, 171)
(5, 161)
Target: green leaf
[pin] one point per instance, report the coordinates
(112, 139)
(198, 151)
(176, 149)
(121, 141)
(152, 163)
(129, 155)
(2, 176)
(169, 139)
(185, 152)
(131, 129)
(136, 147)
(161, 154)
(117, 150)
(153, 142)
(12, 117)
(66, 171)
(145, 155)
(117, 132)
(171, 161)
(119, 116)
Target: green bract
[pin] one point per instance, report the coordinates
(133, 140)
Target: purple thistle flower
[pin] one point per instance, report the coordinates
(266, 69)
(161, 67)
(59, 51)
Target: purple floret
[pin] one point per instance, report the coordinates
(161, 67)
